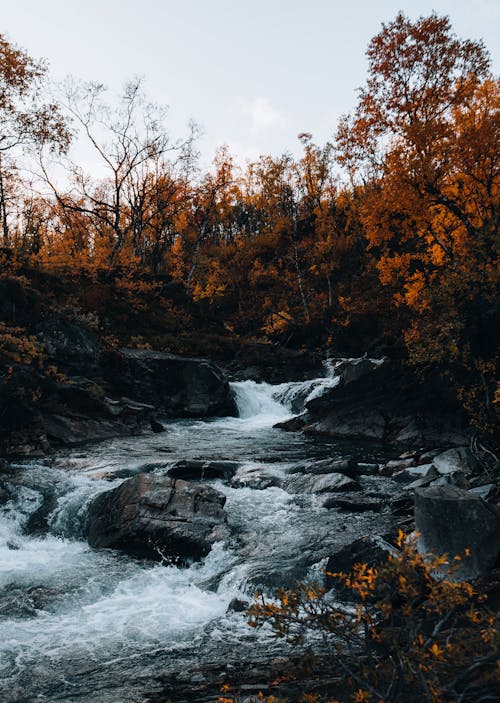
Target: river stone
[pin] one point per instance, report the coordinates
(371, 551)
(158, 517)
(450, 520)
(325, 483)
(353, 505)
(345, 466)
(453, 460)
(485, 491)
(414, 473)
(199, 470)
(254, 477)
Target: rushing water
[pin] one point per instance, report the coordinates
(79, 624)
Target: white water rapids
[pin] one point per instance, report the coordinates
(74, 619)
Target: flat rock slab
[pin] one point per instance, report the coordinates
(158, 517)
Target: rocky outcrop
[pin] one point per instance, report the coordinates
(384, 401)
(84, 395)
(157, 517)
(452, 521)
(69, 344)
(178, 386)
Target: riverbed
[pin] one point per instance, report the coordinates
(86, 625)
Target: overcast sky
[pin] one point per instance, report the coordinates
(252, 73)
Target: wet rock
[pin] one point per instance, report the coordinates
(372, 551)
(402, 506)
(4, 495)
(453, 460)
(346, 466)
(20, 399)
(353, 505)
(450, 520)
(487, 491)
(238, 605)
(255, 477)
(195, 470)
(455, 478)
(323, 483)
(42, 596)
(294, 424)
(158, 517)
(156, 426)
(396, 465)
(389, 403)
(413, 473)
(179, 386)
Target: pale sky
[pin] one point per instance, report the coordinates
(252, 73)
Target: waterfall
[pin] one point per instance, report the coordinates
(264, 401)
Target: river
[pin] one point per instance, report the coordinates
(86, 625)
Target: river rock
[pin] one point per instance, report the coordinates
(371, 551)
(179, 386)
(324, 483)
(451, 520)
(353, 505)
(254, 477)
(346, 466)
(486, 491)
(453, 460)
(156, 426)
(158, 517)
(198, 470)
(414, 473)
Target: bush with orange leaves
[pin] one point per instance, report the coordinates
(416, 633)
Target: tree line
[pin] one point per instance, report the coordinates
(383, 240)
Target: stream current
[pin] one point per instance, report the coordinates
(86, 625)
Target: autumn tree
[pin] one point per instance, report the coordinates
(26, 120)
(138, 157)
(424, 142)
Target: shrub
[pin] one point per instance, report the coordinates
(416, 635)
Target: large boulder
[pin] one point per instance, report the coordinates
(450, 521)
(385, 401)
(157, 517)
(179, 386)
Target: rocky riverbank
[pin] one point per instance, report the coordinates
(189, 489)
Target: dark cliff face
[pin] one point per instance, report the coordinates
(80, 393)
(178, 386)
(385, 402)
